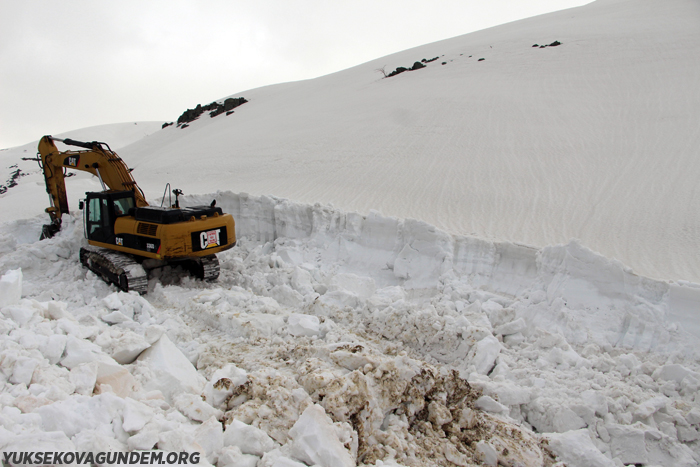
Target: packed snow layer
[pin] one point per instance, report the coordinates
(616, 306)
(333, 338)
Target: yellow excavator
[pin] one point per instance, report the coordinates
(125, 235)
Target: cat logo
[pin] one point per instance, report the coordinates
(209, 239)
(119, 241)
(73, 161)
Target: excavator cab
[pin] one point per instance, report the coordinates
(101, 212)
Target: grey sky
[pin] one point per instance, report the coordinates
(66, 65)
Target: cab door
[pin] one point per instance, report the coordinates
(98, 223)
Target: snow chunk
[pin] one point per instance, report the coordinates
(143, 440)
(52, 441)
(24, 370)
(10, 287)
(674, 372)
(112, 301)
(315, 440)
(80, 351)
(58, 310)
(84, 377)
(514, 327)
(231, 456)
(362, 287)
(210, 436)
(650, 407)
(127, 347)
(386, 296)
(249, 439)
(170, 371)
(222, 384)
(487, 454)
(576, 449)
(115, 317)
(19, 314)
(301, 281)
(488, 404)
(118, 378)
(483, 354)
(195, 408)
(53, 347)
(627, 443)
(81, 413)
(595, 401)
(136, 415)
(303, 325)
(693, 417)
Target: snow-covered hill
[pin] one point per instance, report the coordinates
(378, 330)
(595, 139)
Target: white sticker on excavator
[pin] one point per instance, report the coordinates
(209, 239)
(73, 161)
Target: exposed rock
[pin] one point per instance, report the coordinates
(416, 66)
(13, 180)
(214, 109)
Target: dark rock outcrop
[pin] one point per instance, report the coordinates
(214, 109)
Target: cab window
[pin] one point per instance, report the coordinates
(122, 206)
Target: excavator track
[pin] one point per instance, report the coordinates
(116, 268)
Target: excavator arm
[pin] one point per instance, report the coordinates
(96, 158)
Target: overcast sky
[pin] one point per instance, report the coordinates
(71, 64)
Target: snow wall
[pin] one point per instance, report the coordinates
(594, 293)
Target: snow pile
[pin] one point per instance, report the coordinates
(10, 288)
(333, 338)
